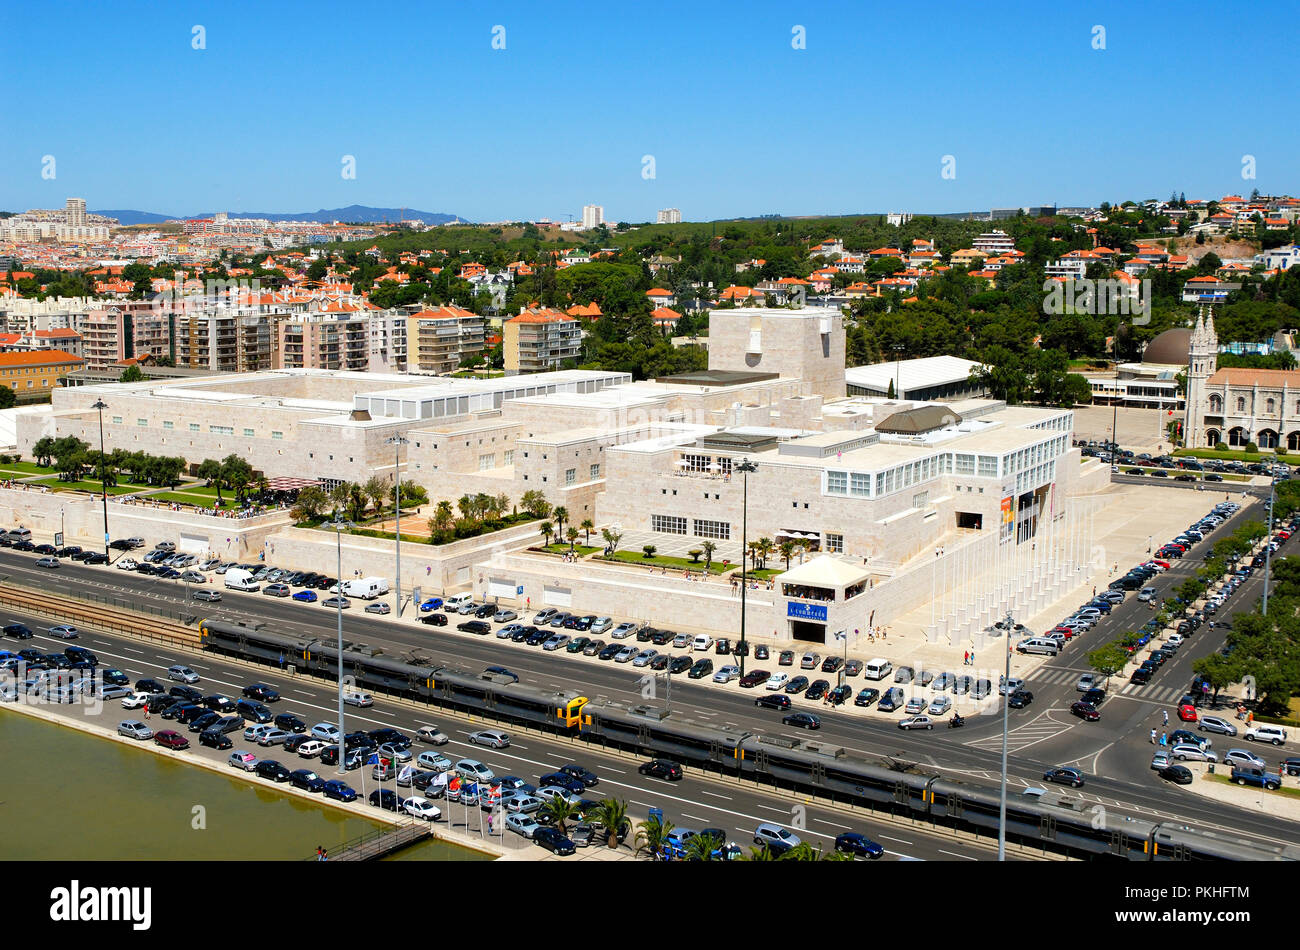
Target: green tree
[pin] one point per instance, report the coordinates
(612, 815)
(561, 515)
(611, 539)
(1108, 659)
(649, 550)
(376, 489)
(708, 547)
(357, 501)
(786, 550)
(587, 526)
(442, 517)
(559, 810)
(535, 503)
(548, 529)
(311, 501)
(238, 474)
(210, 469)
(132, 374)
(42, 449)
(571, 534)
(1219, 671)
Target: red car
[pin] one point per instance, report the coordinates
(1163, 565)
(171, 740)
(1187, 712)
(1284, 535)
(1086, 711)
(1066, 632)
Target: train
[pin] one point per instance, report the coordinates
(1051, 820)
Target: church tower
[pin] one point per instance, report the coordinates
(1202, 360)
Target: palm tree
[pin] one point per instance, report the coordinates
(708, 547)
(787, 551)
(502, 504)
(612, 813)
(548, 529)
(559, 810)
(763, 853)
(765, 547)
(466, 505)
(561, 515)
(651, 834)
(700, 847)
(587, 527)
(572, 535)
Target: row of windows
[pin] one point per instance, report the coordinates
(1025, 458)
(668, 524)
(1270, 405)
(195, 427)
(30, 385)
(713, 529)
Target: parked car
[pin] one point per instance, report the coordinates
(182, 674)
(494, 738)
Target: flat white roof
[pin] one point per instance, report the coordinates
(911, 374)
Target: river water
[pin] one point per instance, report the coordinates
(67, 796)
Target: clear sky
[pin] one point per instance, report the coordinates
(738, 120)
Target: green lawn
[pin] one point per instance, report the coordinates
(660, 560)
(55, 484)
(762, 574)
(1227, 780)
(16, 469)
(580, 549)
(190, 498)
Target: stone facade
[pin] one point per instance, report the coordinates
(806, 344)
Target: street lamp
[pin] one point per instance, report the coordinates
(397, 442)
(843, 635)
(898, 369)
(100, 405)
(1006, 710)
(744, 466)
(338, 524)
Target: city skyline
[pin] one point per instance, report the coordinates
(415, 141)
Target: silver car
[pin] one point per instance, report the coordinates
(134, 729)
(644, 657)
(182, 674)
(521, 824)
(494, 738)
(601, 624)
(623, 630)
(273, 737)
(509, 630)
(555, 642)
(626, 654)
(1185, 751)
(940, 705)
(503, 615)
(1215, 724)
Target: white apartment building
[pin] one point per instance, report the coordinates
(669, 216)
(993, 243)
(593, 216)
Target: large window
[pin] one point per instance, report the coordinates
(486, 461)
(835, 543)
(221, 430)
(668, 524)
(713, 529)
(837, 483)
(988, 466)
(570, 476)
(964, 464)
(859, 484)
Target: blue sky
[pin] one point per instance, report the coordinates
(738, 121)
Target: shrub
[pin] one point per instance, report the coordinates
(1220, 446)
(1252, 447)
(649, 550)
(695, 554)
(1280, 450)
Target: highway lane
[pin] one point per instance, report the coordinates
(1043, 735)
(697, 801)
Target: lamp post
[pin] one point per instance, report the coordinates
(338, 524)
(100, 406)
(1006, 708)
(843, 636)
(898, 370)
(744, 466)
(397, 442)
(1268, 541)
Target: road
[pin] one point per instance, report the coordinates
(696, 801)
(1114, 752)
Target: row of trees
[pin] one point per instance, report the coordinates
(354, 500)
(74, 459)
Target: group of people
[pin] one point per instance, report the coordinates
(754, 585)
(322, 854)
(10, 483)
(968, 658)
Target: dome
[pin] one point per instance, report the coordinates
(1169, 348)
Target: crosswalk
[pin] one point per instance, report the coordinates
(1057, 677)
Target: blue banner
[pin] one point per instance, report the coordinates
(801, 611)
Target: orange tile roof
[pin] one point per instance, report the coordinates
(38, 358)
(1242, 376)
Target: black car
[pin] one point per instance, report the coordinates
(24, 546)
(701, 668)
(832, 664)
(866, 696)
(219, 703)
(149, 686)
(661, 768)
(160, 701)
(298, 738)
(115, 678)
(1094, 696)
(660, 662)
(860, 846)
(178, 709)
(553, 841)
(1140, 676)
(487, 610)
(144, 567)
(562, 780)
(773, 701)
(760, 652)
(839, 695)
(538, 636)
(227, 725)
(434, 619)
(479, 627)
(817, 690)
(645, 633)
(18, 631)
(215, 740)
(307, 780)
(585, 776)
(269, 768)
(200, 723)
(385, 798)
(1020, 699)
(262, 693)
(289, 723)
(187, 693)
(679, 664)
(797, 684)
(390, 735)
(663, 637)
(57, 661)
(81, 655)
(71, 551)
(609, 652)
(1064, 776)
(803, 720)
(722, 646)
(1178, 774)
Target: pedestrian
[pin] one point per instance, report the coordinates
(1165, 713)
(324, 854)
(1153, 736)
(1164, 739)
(428, 569)
(1094, 590)
(282, 661)
(320, 853)
(489, 824)
(965, 658)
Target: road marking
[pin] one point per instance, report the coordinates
(715, 795)
(956, 855)
(133, 650)
(303, 692)
(892, 838)
(779, 811)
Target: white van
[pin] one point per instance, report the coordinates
(702, 642)
(877, 669)
(239, 579)
(1266, 733)
(367, 588)
(20, 534)
(1038, 645)
(457, 601)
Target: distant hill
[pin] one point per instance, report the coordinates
(362, 213)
